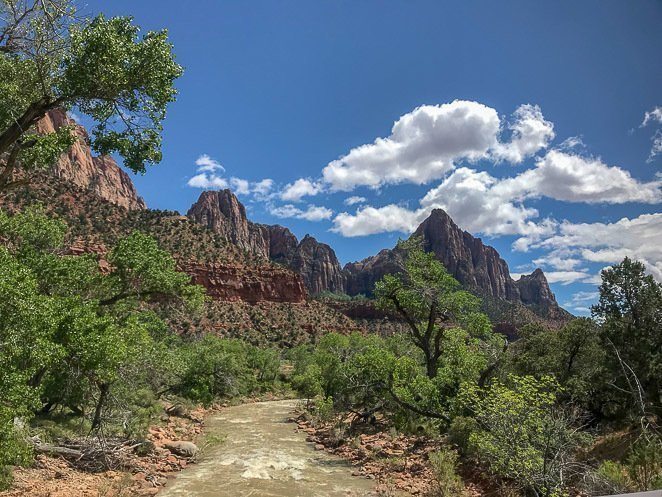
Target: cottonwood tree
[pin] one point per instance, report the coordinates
(630, 311)
(85, 328)
(429, 300)
(51, 57)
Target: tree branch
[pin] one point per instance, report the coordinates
(415, 409)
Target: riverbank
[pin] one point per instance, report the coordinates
(399, 463)
(143, 471)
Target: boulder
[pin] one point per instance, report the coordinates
(182, 448)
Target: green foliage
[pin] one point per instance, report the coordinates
(308, 382)
(429, 299)
(142, 270)
(63, 346)
(216, 368)
(611, 478)
(117, 77)
(630, 311)
(448, 483)
(644, 463)
(459, 432)
(103, 67)
(25, 318)
(641, 470)
(573, 355)
(46, 149)
(522, 436)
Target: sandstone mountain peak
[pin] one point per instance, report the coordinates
(478, 267)
(100, 174)
(222, 212)
(310, 267)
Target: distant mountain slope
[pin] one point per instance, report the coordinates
(238, 260)
(478, 267)
(251, 297)
(316, 262)
(101, 174)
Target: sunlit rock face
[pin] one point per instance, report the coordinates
(100, 174)
(315, 262)
(478, 267)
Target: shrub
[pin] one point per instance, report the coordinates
(644, 464)
(523, 436)
(444, 466)
(460, 430)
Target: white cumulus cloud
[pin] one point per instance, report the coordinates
(204, 180)
(294, 192)
(530, 132)
(638, 238)
(428, 142)
(209, 176)
(312, 213)
(207, 164)
(371, 220)
(574, 178)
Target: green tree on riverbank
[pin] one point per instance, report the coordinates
(50, 57)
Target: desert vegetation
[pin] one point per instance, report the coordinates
(102, 334)
(85, 351)
(537, 415)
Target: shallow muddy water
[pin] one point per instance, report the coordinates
(263, 456)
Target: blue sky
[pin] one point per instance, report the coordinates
(523, 119)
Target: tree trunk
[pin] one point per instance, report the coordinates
(104, 389)
(34, 112)
(431, 366)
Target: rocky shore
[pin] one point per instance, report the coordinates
(169, 448)
(399, 463)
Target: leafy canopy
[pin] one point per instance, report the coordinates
(430, 301)
(104, 67)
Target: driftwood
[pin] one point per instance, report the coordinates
(66, 452)
(91, 453)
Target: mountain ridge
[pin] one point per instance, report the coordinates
(478, 267)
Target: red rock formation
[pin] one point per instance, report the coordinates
(248, 284)
(478, 267)
(99, 174)
(225, 282)
(534, 289)
(318, 265)
(361, 276)
(316, 262)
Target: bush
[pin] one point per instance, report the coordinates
(460, 430)
(644, 464)
(523, 436)
(609, 479)
(216, 368)
(444, 466)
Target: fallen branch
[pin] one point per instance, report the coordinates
(52, 450)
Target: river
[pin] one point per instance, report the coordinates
(263, 456)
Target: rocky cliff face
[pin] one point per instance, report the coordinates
(248, 284)
(318, 265)
(361, 276)
(315, 262)
(534, 289)
(478, 267)
(101, 174)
